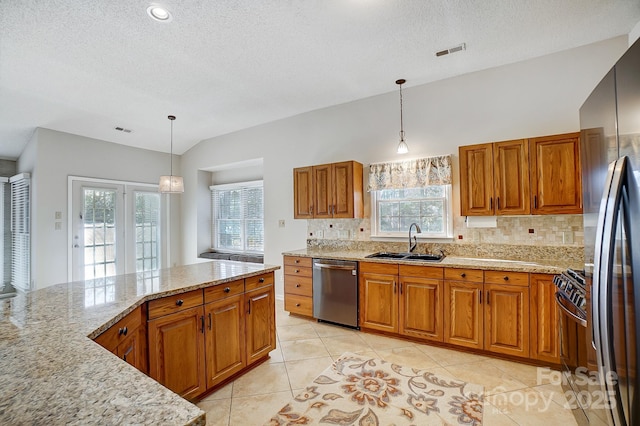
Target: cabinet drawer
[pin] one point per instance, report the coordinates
(298, 261)
(421, 271)
(258, 281)
(178, 302)
(118, 332)
(302, 286)
(301, 305)
(378, 268)
(217, 292)
(300, 271)
(467, 275)
(507, 277)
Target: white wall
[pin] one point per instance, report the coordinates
(532, 98)
(51, 157)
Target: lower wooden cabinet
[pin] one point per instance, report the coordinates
(463, 314)
(506, 319)
(176, 355)
(378, 287)
(260, 323)
(298, 285)
(543, 328)
(127, 339)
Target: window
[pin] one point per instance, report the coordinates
(238, 217)
(394, 210)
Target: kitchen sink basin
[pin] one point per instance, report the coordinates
(407, 256)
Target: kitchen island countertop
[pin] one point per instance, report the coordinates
(51, 372)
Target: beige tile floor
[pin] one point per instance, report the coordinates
(515, 393)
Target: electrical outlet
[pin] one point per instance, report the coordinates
(58, 226)
(58, 215)
(320, 234)
(281, 223)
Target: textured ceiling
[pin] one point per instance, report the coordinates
(87, 66)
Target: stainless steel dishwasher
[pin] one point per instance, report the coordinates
(335, 291)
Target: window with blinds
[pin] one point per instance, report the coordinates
(238, 217)
(20, 231)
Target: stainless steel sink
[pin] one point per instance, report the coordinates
(407, 256)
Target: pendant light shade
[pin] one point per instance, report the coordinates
(171, 184)
(403, 148)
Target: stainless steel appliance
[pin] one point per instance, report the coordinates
(610, 147)
(335, 291)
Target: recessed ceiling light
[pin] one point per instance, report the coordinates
(159, 13)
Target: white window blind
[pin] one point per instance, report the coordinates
(20, 231)
(238, 217)
(5, 226)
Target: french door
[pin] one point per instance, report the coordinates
(115, 229)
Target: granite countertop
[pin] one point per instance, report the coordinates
(544, 266)
(51, 372)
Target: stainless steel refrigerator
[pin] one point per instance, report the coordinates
(610, 151)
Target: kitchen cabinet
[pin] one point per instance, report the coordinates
(421, 302)
(488, 311)
(527, 176)
(298, 285)
(404, 299)
(127, 339)
(260, 318)
(544, 320)
(378, 287)
(556, 178)
(494, 178)
(328, 191)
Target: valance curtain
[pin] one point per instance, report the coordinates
(411, 173)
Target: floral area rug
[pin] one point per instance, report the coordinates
(363, 391)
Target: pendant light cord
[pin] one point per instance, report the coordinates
(401, 121)
(171, 118)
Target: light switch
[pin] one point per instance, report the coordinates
(58, 226)
(58, 215)
(281, 223)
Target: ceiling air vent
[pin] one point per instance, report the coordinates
(455, 49)
(122, 129)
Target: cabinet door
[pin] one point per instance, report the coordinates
(506, 316)
(556, 181)
(379, 302)
(176, 352)
(511, 177)
(323, 191)
(260, 323)
(303, 193)
(544, 333)
(421, 308)
(476, 180)
(347, 190)
(463, 311)
(134, 349)
(224, 338)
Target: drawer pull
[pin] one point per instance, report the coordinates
(227, 289)
(123, 331)
(124, 357)
(297, 271)
(463, 275)
(506, 278)
(179, 302)
(297, 261)
(261, 280)
(297, 305)
(297, 285)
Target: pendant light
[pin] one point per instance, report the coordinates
(171, 184)
(402, 146)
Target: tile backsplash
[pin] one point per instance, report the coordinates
(544, 230)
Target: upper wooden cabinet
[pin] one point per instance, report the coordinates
(526, 176)
(556, 178)
(328, 191)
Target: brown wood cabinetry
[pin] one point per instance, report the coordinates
(260, 322)
(421, 302)
(527, 176)
(298, 285)
(556, 179)
(463, 307)
(378, 287)
(506, 319)
(543, 331)
(328, 191)
(127, 339)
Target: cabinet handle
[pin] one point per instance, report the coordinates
(506, 278)
(535, 201)
(480, 297)
(210, 321)
(249, 311)
(297, 305)
(124, 357)
(400, 287)
(227, 289)
(463, 275)
(297, 271)
(497, 203)
(202, 322)
(394, 287)
(179, 302)
(297, 285)
(123, 331)
(490, 203)
(297, 261)
(488, 297)
(261, 280)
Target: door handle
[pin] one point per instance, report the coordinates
(400, 287)
(490, 203)
(249, 311)
(394, 287)
(202, 322)
(480, 297)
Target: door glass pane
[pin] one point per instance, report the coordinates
(99, 206)
(147, 231)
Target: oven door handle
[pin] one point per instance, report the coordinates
(559, 299)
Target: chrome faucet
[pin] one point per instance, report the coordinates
(412, 245)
